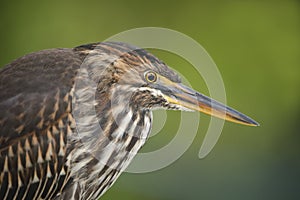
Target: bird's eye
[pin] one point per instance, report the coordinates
(151, 77)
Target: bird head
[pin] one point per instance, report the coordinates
(150, 84)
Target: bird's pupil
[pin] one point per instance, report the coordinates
(151, 77)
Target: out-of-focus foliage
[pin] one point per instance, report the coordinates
(256, 45)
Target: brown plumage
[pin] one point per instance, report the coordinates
(71, 120)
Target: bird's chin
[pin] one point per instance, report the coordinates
(171, 106)
(182, 108)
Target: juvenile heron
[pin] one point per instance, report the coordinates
(53, 146)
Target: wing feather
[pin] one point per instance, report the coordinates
(35, 112)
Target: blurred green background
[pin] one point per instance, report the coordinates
(255, 44)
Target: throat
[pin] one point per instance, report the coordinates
(120, 124)
(123, 135)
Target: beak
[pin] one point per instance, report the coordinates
(179, 94)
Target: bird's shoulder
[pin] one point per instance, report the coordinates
(35, 92)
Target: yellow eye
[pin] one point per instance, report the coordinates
(151, 77)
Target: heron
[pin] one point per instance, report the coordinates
(72, 119)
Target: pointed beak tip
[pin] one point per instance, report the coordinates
(252, 123)
(256, 123)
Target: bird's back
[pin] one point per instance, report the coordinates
(42, 153)
(35, 106)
